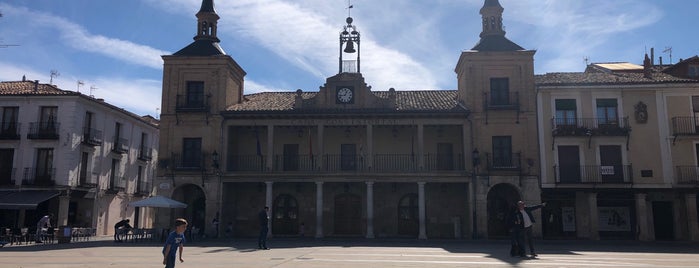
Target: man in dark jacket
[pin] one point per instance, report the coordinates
(523, 221)
(120, 229)
(264, 221)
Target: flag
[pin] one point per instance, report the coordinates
(257, 139)
(412, 147)
(351, 6)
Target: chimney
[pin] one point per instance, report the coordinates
(24, 78)
(36, 85)
(646, 67)
(652, 56)
(661, 60)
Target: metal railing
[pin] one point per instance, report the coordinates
(508, 102)
(188, 163)
(687, 174)
(43, 130)
(92, 136)
(509, 162)
(145, 153)
(593, 174)
(117, 183)
(39, 176)
(121, 145)
(10, 131)
(685, 125)
(590, 126)
(185, 105)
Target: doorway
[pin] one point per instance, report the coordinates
(348, 214)
(663, 220)
(285, 219)
(501, 203)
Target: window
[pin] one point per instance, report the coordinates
(191, 153)
(117, 132)
(113, 174)
(9, 120)
(291, 157)
(139, 181)
(502, 152)
(499, 91)
(607, 112)
(88, 121)
(693, 70)
(445, 156)
(6, 166)
(195, 93)
(568, 164)
(44, 165)
(611, 167)
(566, 112)
(48, 120)
(83, 168)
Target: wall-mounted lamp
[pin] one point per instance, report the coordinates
(475, 158)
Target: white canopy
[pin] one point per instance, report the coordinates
(158, 202)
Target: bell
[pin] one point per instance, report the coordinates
(350, 47)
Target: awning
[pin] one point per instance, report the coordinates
(24, 199)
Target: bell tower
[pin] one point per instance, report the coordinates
(207, 20)
(348, 37)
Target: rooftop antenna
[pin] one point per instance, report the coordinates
(5, 45)
(54, 73)
(157, 113)
(92, 88)
(80, 83)
(586, 59)
(668, 50)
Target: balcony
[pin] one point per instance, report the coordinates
(10, 131)
(687, 175)
(117, 184)
(685, 125)
(508, 162)
(612, 174)
(43, 130)
(189, 163)
(92, 137)
(382, 163)
(509, 101)
(39, 176)
(185, 105)
(121, 145)
(145, 153)
(144, 188)
(7, 176)
(87, 181)
(590, 127)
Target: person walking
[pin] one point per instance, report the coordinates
(44, 222)
(175, 242)
(523, 221)
(264, 228)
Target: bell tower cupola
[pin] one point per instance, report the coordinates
(207, 21)
(492, 18)
(349, 38)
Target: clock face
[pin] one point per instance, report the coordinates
(345, 95)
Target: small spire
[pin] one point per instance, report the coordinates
(492, 18)
(207, 6)
(207, 21)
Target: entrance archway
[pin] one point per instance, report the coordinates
(348, 214)
(285, 219)
(408, 221)
(501, 202)
(194, 197)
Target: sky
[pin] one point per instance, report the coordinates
(115, 47)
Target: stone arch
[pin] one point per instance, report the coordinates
(501, 202)
(195, 198)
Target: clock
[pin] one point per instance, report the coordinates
(345, 95)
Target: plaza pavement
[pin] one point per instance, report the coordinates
(330, 252)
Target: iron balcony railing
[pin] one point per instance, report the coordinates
(121, 145)
(39, 176)
(687, 174)
(10, 131)
(504, 162)
(86, 180)
(508, 101)
(92, 137)
(590, 126)
(685, 125)
(593, 174)
(194, 162)
(191, 105)
(117, 184)
(145, 153)
(144, 187)
(43, 130)
(347, 163)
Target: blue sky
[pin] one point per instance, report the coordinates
(284, 45)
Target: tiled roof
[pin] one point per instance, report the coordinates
(406, 101)
(496, 43)
(30, 88)
(587, 78)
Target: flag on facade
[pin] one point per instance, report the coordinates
(257, 139)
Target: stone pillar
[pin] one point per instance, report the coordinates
(642, 217)
(586, 215)
(63, 203)
(421, 209)
(690, 200)
(420, 147)
(470, 209)
(270, 150)
(268, 203)
(369, 209)
(319, 209)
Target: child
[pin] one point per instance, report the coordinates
(174, 240)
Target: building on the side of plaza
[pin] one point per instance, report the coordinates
(347, 160)
(71, 155)
(619, 147)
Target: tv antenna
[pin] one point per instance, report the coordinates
(668, 50)
(5, 45)
(92, 88)
(54, 73)
(586, 59)
(80, 83)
